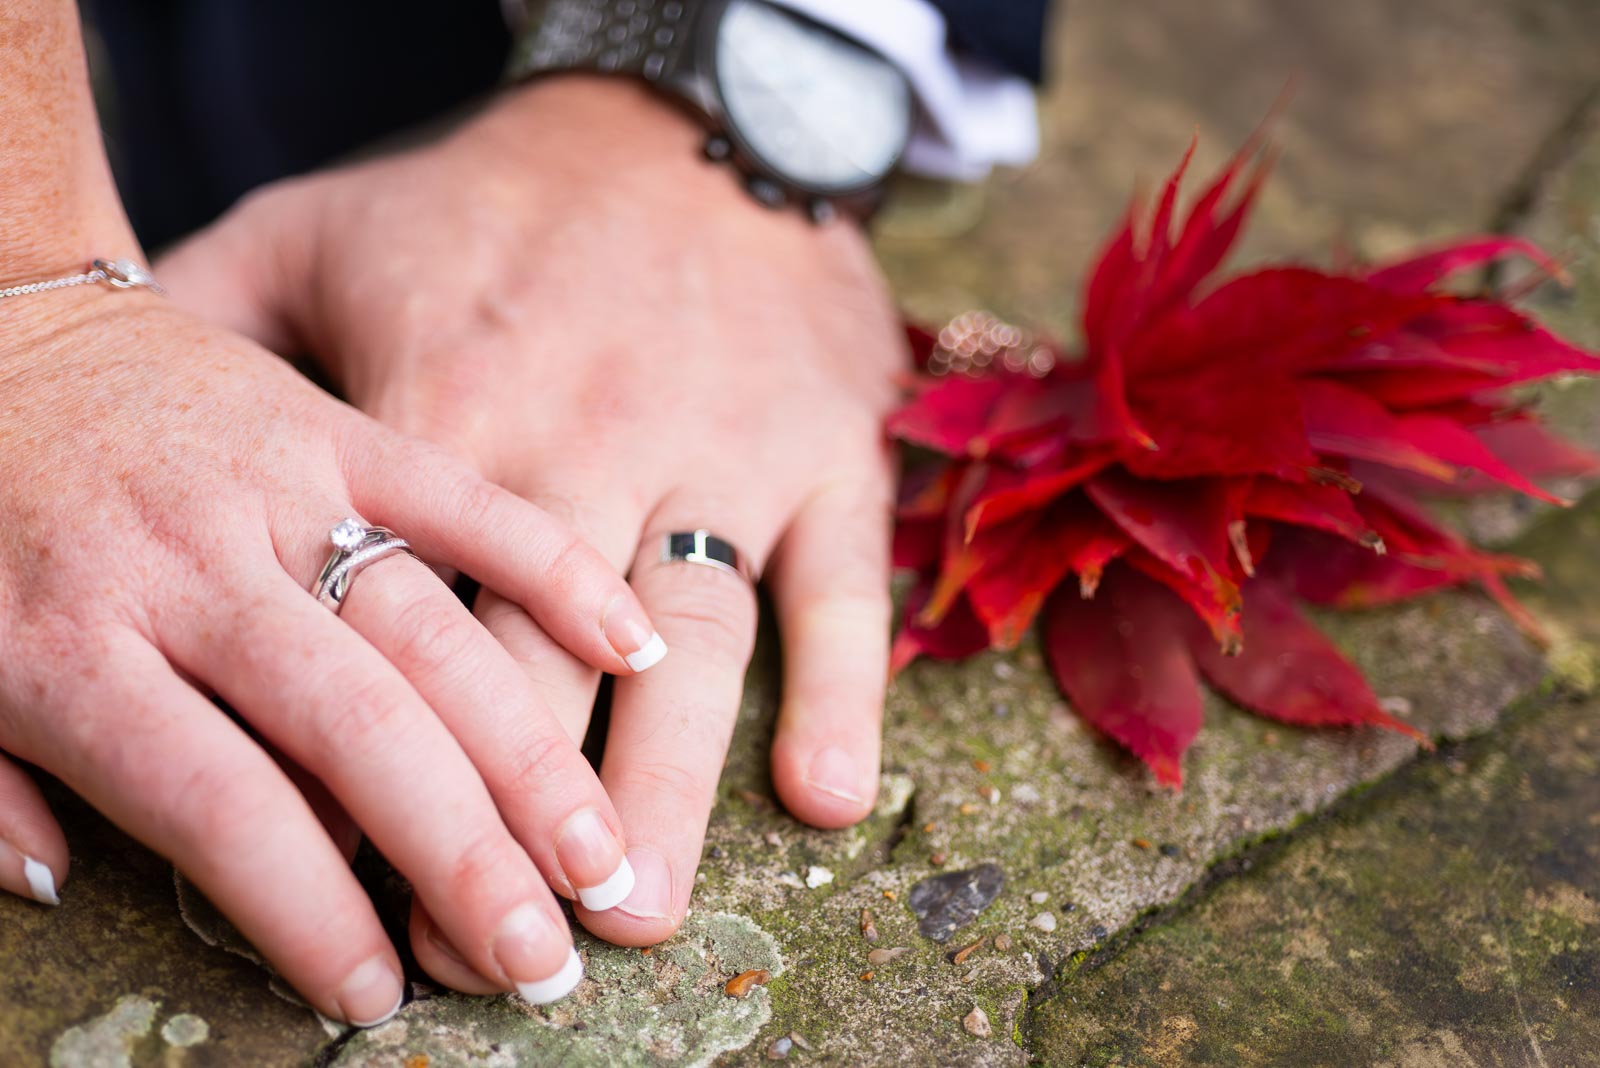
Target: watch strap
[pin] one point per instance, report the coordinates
(648, 38)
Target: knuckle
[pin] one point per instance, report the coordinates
(478, 865)
(215, 809)
(475, 503)
(366, 720)
(711, 619)
(429, 641)
(672, 784)
(533, 765)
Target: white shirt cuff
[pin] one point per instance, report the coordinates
(971, 118)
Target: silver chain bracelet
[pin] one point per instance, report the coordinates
(119, 274)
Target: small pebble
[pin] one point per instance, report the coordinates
(1395, 706)
(968, 808)
(1169, 850)
(716, 853)
(970, 976)
(977, 1022)
(869, 930)
(790, 879)
(887, 956)
(1025, 793)
(1069, 907)
(1098, 932)
(794, 1036)
(1002, 942)
(890, 895)
(755, 800)
(1039, 897)
(865, 977)
(774, 840)
(741, 985)
(818, 876)
(929, 828)
(1045, 921)
(937, 860)
(982, 767)
(1141, 843)
(779, 1050)
(960, 956)
(1002, 710)
(989, 793)
(1003, 670)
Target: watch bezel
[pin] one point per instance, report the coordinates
(745, 153)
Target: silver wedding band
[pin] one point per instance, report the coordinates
(356, 547)
(704, 547)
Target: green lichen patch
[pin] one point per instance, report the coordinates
(667, 1006)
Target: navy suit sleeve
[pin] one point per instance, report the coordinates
(1007, 33)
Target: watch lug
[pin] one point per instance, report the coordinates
(718, 148)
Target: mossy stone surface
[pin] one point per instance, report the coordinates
(1410, 122)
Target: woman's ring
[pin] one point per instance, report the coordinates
(356, 546)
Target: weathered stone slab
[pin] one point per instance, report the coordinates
(112, 970)
(1410, 121)
(1451, 917)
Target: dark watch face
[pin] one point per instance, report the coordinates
(817, 109)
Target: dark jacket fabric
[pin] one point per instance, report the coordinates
(203, 100)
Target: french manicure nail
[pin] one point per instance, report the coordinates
(558, 986)
(833, 771)
(528, 949)
(371, 994)
(592, 860)
(40, 880)
(651, 897)
(629, 631)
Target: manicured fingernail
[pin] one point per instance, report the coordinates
(835, 772)
(558, 986)
(629, 631)
(592, 860)
(536, 956)
(651, 898)
(41, 881)
(371, 994)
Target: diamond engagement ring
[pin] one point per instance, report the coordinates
(356, 546)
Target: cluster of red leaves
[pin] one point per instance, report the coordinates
(1222, 445)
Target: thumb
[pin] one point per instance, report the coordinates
(243, 271)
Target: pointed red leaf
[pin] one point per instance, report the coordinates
(1310, 504)
(1289, 671)
(1420, 272)
(958, 635)
(1182, 524)
(1123, 661)
(1343, 422)
(1452, 443)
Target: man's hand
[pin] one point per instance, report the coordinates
(567, 296)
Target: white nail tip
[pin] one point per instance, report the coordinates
(386, 1017)
(611, 893)
(649, 656)
(558, 986)
(40, 881)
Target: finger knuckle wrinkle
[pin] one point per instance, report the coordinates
(533, 764)
(430, 640)
(479, 864)
(710, 622)
(366, 721)
(674, 784)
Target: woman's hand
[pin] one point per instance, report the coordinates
(567, 296)
(166, 494)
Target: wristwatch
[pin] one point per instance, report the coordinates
(806, 115)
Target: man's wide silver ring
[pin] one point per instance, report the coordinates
(704, 547)
(356, 547)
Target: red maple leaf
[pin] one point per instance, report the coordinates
(1217, 449)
